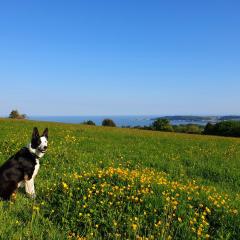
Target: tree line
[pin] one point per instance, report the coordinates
(157, 125)
(223, 128)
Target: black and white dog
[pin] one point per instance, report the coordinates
(22, 168)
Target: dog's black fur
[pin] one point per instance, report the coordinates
(19, 167)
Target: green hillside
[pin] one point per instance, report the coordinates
(112, 183)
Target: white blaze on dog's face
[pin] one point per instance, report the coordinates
(38, 145)
(44, 143)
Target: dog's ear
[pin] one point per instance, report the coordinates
(45, 133)
(35, 133)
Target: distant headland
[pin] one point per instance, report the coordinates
(192, 118)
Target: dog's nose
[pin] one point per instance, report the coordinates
(45, 148)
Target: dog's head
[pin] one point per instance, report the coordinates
(39, 144)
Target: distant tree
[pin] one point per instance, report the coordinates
(228, 128)
(89, 122)
(16, 115)
(224, 128)
(108, 122)
(209, 129)
(162, 124)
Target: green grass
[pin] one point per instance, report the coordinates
(79, 182)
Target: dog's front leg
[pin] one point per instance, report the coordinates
(29, 188)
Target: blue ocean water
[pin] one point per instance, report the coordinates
(119, 120)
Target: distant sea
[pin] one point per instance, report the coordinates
(119, 120)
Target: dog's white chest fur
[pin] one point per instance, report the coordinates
(37, 166)
(29, 184)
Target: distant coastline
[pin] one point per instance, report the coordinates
(137, 120)
(144, 120)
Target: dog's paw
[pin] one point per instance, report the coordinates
(33, 195)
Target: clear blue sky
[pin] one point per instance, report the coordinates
(120, 57)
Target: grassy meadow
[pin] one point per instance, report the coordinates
(112, 183)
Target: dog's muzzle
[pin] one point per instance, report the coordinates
(42, 150)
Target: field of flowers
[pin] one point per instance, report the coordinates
(110, 183)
